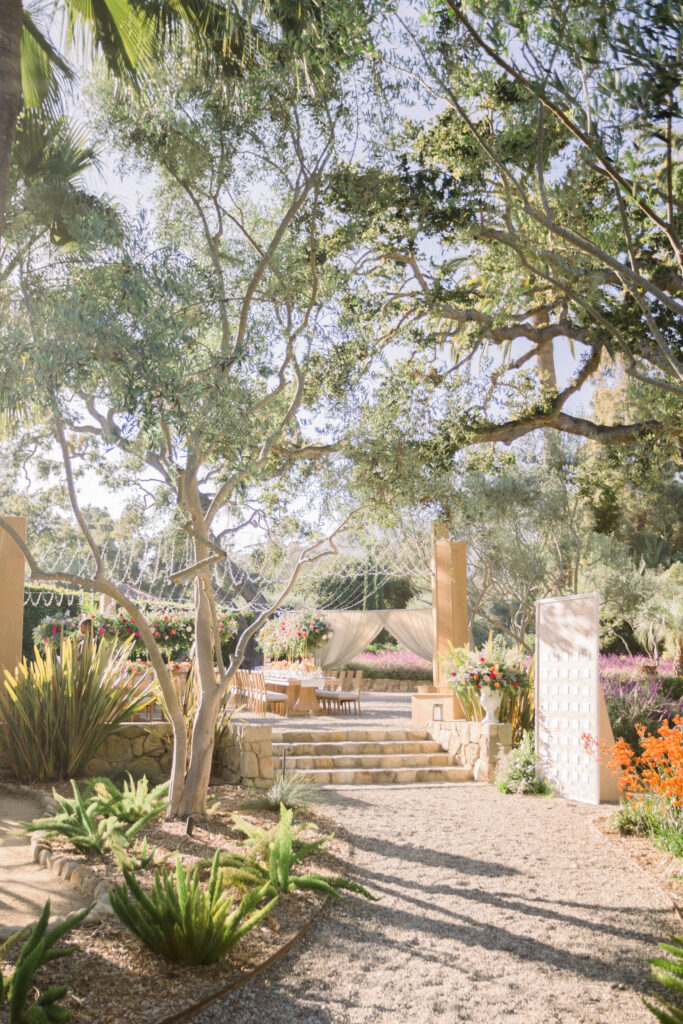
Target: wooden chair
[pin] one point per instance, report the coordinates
(239, 689)
(267, 700)
(349, 699)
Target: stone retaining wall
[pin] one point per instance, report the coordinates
(478, 746)
(394, 685)
(245, 756)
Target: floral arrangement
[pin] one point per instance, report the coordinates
(292, 635)
(495, 667)
(171, 631)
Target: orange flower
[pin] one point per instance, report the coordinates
(659, 769)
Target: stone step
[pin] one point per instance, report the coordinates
(334, 749)
(387, 776)
(347, 735)
(369, 761)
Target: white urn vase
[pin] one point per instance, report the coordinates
(490, 701)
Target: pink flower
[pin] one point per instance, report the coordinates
(101, 630)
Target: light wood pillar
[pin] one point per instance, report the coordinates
(449, 597)
(11, 595)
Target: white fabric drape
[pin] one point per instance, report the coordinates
(353, 631)
(413, 628)
(351, 634)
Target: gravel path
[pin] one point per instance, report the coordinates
(25, 886)
(494, 909)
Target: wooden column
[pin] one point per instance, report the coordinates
(11, 595)
(449, 597)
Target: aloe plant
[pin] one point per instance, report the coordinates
(57, 710)
(38, 949)
(80, 821)
(670, 974)
(185, 922)
(134, 802)
(285, 853)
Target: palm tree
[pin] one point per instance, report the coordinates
(127, 33)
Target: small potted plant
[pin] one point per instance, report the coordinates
(487, 674)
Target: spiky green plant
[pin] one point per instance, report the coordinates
(133, 802)
(79, 820)
(184, 922)
(292, 788)
(259, 839)
(38, 949)
(284, 854)
(57, 710)
(670, 974)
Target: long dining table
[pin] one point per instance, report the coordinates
(300, 690)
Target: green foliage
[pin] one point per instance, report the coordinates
(38, 949)
(184, 922)
(57, 710)
(90, 821)
(132, 803)
(654, 817)
(668, 971)
(517, 772)
(289, 788)
(285, 852)
(259, 839)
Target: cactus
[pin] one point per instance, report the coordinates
(38, 949)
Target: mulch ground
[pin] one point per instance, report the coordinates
(112, 977)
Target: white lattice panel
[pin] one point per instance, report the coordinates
(567, 694)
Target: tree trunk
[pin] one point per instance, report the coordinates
(10, 89)
(678, 657)
(193, 800)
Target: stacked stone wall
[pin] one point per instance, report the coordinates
(393, 685)
(244, 757)
(475, 745)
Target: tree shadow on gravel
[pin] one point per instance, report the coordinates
(511, 903)
(429, 857)
(617, 967)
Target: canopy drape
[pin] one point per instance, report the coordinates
(353, 631)
(413, 628)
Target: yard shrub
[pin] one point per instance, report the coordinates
(391, 664)
(652, 782)
(289, 789)
(38, 949)
(649, 702)
(57, 710)
(517, 772)
(185, 922)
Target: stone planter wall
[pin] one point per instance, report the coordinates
(245, 757)
(475, 745)
(394, 685)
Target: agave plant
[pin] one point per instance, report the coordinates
(38, 949)
(669, 972)
(135, 801)
(185, 922)
(286, 852)
(57, 710)
(80, 821)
